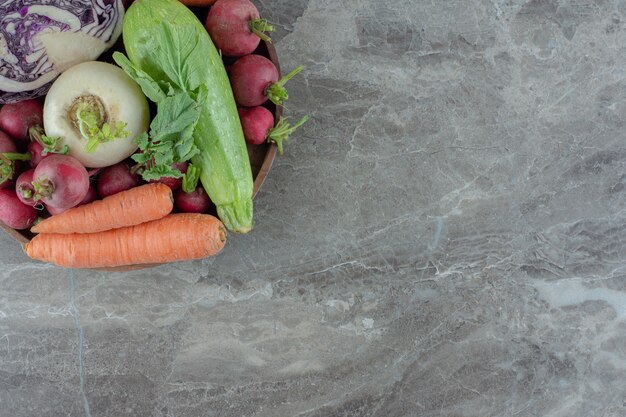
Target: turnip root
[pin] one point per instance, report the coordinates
(98, 111)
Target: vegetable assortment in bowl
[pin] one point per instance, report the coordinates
(165, 116)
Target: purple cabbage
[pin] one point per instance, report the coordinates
(41, 39)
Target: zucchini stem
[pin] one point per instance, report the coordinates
(236, 216)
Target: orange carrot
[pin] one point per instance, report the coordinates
(127, 208)
(177, 237)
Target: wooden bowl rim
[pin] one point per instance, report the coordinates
(270, 155)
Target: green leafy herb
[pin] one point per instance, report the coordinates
(170, 139)
(150, 88)
(180, 58)
(190, 179)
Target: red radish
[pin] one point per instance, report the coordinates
(17, 118)
(174, 183)
(36, 151)
(115, 179)
(236, 27)
(54, 211)
(94, 171)
(91, 195)
(14, 213)
(254, 79)
(9, 159)
(41, 145)
(195, 202)
(256, 123)
(60, 181)
(258, 126)
(25, 189)
(6, 144)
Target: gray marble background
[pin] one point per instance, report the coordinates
(446, 237)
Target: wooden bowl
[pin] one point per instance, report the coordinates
(261, 156)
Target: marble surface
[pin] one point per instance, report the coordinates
(445, 237)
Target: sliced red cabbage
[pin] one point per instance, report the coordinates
(41, 39)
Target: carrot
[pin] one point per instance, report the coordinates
(126, 208)
(198, 2)
(177, 237)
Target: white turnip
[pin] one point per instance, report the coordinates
(98, 111)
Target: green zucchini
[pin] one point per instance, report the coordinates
(167, 42)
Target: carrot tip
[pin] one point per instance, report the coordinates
(222, 234)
